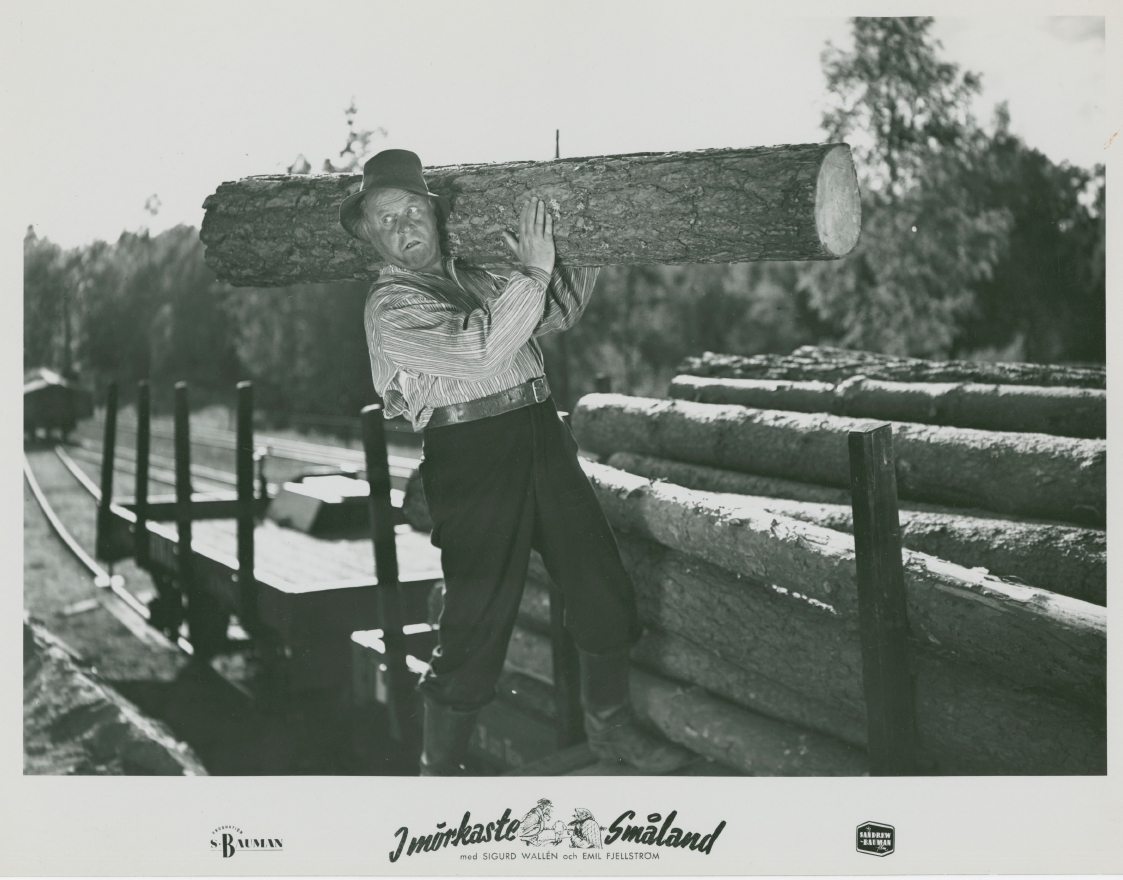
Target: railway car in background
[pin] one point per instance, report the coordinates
(53, 403)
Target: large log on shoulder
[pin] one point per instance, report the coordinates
(1066, 412)
(794, 202)
(826, 364)
(1033, 637)
(1065, 559)
(1030, 474)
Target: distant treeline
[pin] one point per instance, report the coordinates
(973, 245)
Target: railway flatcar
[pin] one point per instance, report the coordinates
(52, 403)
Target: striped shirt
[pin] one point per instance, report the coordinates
(425, 354)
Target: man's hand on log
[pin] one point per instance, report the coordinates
(535, 243)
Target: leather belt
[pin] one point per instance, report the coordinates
(527, 394)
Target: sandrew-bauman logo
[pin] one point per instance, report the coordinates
(543, 835)
(876, 839)
(230, 839)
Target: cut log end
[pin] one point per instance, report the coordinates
(838, 203)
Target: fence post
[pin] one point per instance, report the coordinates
(243, 469)
(882, 614)
(262, 486)
(603, 384)
(403, 726)
(108, 452)
(570, 716)
(183, 500)
(143, 428)
(205, 622)
(183, 484)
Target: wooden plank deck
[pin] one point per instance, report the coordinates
(296, 558)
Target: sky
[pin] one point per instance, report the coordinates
(118, 102)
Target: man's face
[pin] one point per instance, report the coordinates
(403, 226)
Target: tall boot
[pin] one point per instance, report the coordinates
(610, 721)
(445, 740)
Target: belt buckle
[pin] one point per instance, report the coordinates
(541, 391)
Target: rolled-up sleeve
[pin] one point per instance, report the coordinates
(567, 295)
(420, 333)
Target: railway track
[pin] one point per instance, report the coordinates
(206, 479)
(130, 610)
(160, 470)
(214, 445)
(280, 447)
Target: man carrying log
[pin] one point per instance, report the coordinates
(454, 347)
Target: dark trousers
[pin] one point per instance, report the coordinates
(496, 487)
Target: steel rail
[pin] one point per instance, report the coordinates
(127, 465)
(291, 450)
(128, 454)
(102, 579)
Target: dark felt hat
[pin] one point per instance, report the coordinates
(390, 169)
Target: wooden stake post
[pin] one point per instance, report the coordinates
(186, 586)
(206, 619)
(243, 468)
(567, 672)
(143, 440)
(108, 453)
(403, 723)
(882, 616)
(567, 676)
(166, 608)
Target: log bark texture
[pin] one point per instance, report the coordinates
(1027, 474)
(714, 479)
(717, 728)
(1067, 412)
(1033, 637)
(755, 688)
(75, 722)
(796, 202)
(780, 657)
(726, 733)
(969, 722)
(1064, 559)
(826, 364)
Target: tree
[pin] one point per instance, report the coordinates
(643, 320)
(356, 146)
(895, 101)
(926, 237)
(1045, 300)
(305, 347)
(45, 287)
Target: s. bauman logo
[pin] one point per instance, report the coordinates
(230, 839)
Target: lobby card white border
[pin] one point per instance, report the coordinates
(343, 827)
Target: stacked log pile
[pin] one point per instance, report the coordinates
(705, 716)
(1061, 558)
(1026, 474)
(733, 517)
(825, 364)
